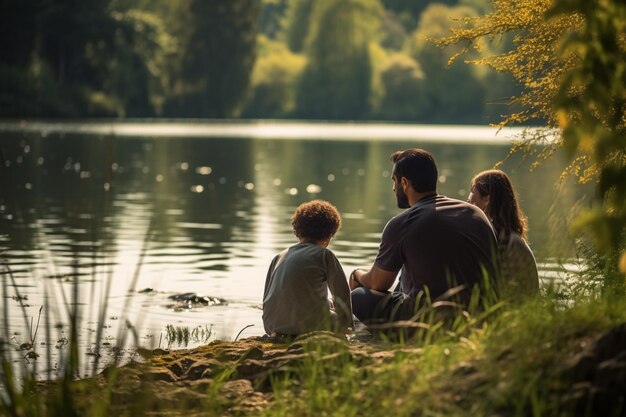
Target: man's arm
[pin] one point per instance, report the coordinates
(376, 278)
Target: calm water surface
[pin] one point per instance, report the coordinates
(203, 208)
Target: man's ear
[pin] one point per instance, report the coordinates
(405, 183)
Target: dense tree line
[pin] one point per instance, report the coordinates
(373, 59)
(312, 59)
(126, 58)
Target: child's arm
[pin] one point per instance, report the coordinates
(275, 262)
(340, 291)
(268, 278)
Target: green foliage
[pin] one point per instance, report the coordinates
(403, 83)
(410, 11)
(481, 6)
(509, 364)
(274, 84)
(272, 17)
(535, 338)
(591, 108)
(139, 58)
(218, 40)
(570, 59)
(532, 60)
(86, 59)
(337, 80)
(394, 35)
(298, 23)
(453, 92)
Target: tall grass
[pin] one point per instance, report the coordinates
(508, 359)
(485, 357)
(21, 393)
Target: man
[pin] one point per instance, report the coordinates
(439, 243)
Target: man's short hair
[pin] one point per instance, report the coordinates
(418, 166)
(316, 220)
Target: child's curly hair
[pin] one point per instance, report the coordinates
(316, 220)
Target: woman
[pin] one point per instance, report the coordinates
(493, 192)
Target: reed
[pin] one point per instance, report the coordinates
(22, 391)
(486, 356)
(182, 335)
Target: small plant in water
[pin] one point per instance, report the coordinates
(21, 393)
(183, 335)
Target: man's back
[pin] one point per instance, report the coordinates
(441, 242)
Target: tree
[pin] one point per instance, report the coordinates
(218, 48)
(590, 106)
(274, 83)
(297, 23)
(272, 16)
(571, 59)
(533, 60)
(337, 80)
(410, 11)
(403, 82)
(393, 33)
(452, 92)
(65, 58)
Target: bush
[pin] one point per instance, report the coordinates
(273, 85)
(403, 82)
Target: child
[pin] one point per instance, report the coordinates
(295, 300)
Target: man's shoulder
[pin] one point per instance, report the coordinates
(398, 220)
(443, 200)
(453, 204)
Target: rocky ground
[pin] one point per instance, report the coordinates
(236, 375)
(235, 378)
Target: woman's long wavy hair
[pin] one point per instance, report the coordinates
(503, 209)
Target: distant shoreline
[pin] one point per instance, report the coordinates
(274, 129)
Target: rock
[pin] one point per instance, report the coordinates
(199, 370)
(176, 368)
(610, 343)
(251, 368)
(254, 353)
(236, 388)
(598, 374)
(147, 353)
(464, 368)
(612, 373)
(158, 374)
(582, 367)
(190, 300)
(232, 378)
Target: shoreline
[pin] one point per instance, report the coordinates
(259, 375)
(275, 130)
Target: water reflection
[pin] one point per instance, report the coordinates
(216, 211)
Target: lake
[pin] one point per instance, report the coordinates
(137, 212)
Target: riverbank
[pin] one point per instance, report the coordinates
(541, 358)
(273, 129)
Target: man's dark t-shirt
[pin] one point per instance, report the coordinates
(439, 242)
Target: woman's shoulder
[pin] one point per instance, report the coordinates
(516, 247)
(517, 241)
